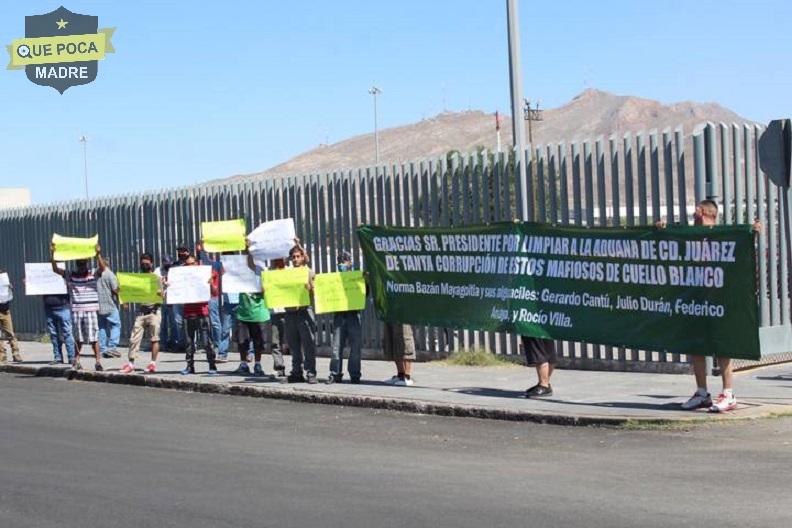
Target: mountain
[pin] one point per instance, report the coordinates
(589, 115)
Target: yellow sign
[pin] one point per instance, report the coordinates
(68, 248)
(339, 292)
(139, 288)
(228, 235)
(286, 288)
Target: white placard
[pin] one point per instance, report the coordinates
(272, 240)
(6, 293)
(188, 284)
(238, 277)
(41, 280)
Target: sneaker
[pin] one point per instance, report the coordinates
(697, 401)
(17, 359)
(211, 372)
(98, 367)
(151, 368)
(392, 381)
(312, 379)
(355, 380)
(106, 355)
(258, 370)
(724, 402)
(76, 366)
(56, 361)
(243, 368)
(333, 378)
(539, 391)
(293, 378)
(280, 373)
(187, 371)
(114, 353)
(403, 382)
(221, 359)
(127, 369)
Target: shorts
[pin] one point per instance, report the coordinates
(85, 326)
(398, 342)
(538, 351)
(247, 331)
(143, 322)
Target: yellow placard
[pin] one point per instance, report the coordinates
(66, 48)
(339, 292)
(139, 288)
(286, 288)
(68, 248)
(228, 235)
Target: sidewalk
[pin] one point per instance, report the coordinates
(581, 397)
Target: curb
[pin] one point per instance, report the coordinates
(372, 402)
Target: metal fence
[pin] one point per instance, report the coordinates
(635, 179)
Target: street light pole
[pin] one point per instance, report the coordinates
(518, 127)
(84, 140)
(375, 92)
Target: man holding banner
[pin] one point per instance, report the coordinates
(346, 327)
(83, 292)
(148, 317)
(706, 214)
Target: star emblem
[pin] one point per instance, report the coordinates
(61, 24)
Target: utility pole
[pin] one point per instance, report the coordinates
(531, 114)
(375, 92)
(518, 129)
(84, 140)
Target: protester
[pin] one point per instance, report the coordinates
(169, 332)
(346, 328)
(540, 354)
(215, 321)
(57, 313)
(706, 214)
(7, 327)
(252, 316)
(301, 327)
(399, 345)
(109, 318)
(84, 297)
(178, 309)
(196, 326)
(278, 346)
(149, 318)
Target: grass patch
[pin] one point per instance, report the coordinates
(659, 425)
(476, 357)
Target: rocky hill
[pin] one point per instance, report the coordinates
(589, 115)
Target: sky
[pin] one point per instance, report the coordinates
(205, 90)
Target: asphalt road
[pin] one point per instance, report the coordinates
(76, 454)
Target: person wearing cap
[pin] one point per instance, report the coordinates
(84, 297)
(346, 328)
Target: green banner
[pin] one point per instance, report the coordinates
(339, 292)
(685, 289)
(139, 288)
(286, 288)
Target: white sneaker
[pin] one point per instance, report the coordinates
(403, 382)
(697, 401)
(724, 402)
(391, 381)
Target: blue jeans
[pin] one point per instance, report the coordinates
(227, 316)
(59, 326)
(346, 328)
(179, 338)
(214, 321)
(109, 331)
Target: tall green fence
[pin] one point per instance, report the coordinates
(634, 179)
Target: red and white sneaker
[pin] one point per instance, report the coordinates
(127, 369)
(724, 402)
(152, 367)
